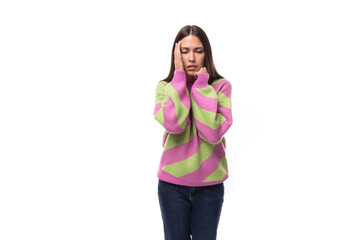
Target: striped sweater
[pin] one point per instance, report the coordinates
(195, 117)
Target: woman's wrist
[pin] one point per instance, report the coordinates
(202, 80)
(179, 76)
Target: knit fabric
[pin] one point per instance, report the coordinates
(195, 117)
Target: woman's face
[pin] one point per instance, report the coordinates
(192, 54)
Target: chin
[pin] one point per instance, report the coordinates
(192, 72)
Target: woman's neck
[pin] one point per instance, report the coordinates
(190, 78)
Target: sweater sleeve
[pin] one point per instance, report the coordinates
(211, 110)
(172, 103)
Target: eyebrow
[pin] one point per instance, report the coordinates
(188, 48)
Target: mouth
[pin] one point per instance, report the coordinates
(191, 67)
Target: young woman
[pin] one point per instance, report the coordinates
(193, 104)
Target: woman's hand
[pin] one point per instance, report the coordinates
(202, 70)
(177, 57)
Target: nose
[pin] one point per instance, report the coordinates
(192, 57)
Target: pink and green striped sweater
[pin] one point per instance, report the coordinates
(195, 117)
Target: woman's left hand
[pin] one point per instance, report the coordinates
(202, 70)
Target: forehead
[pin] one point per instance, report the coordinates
(191, 41)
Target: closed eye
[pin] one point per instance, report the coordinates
(196, 52)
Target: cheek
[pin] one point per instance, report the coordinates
(202, 60)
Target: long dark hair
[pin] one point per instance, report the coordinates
(208, 61)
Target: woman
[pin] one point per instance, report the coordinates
(193, 104)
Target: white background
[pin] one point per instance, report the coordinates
(80, 147)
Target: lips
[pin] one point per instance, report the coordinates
(191, 67)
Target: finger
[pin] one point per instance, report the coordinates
(177, 50)
(178, 46)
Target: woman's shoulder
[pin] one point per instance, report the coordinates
(221, 82)
(161, 87)
(162, 83)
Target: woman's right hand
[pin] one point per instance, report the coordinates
(177, 57)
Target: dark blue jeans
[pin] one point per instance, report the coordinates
(191, 211)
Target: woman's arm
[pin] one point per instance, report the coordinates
(172, 103)
(211, 109)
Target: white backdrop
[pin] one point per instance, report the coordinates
(80, 147)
